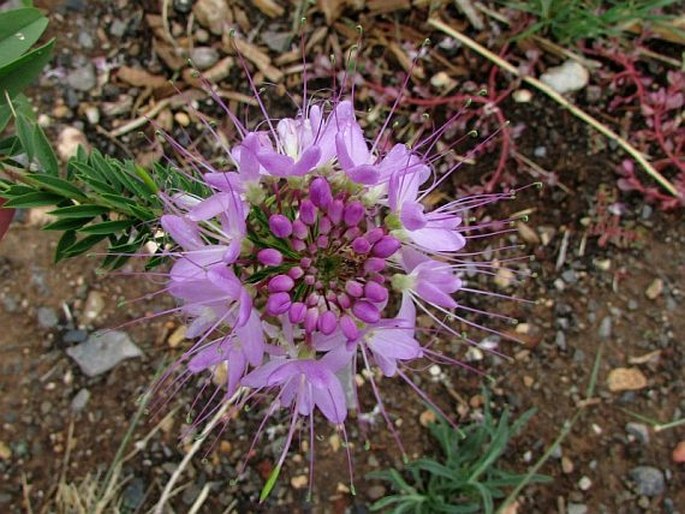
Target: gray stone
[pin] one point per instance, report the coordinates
(639, 431)
(576, 508)
(540, 151)
(47, 317)
(79, 402)
(560, 340)
(376, 492)
(102, 351)
(605, 328)
(85, 40)
(10, 303)
(183, 6)
(74, 336)
(133, 494)
(83, 78)
(569, 276)
(204, 57)
(649, 481)
(118, 28)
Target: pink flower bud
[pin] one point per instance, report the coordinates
(307, 212)
(354, 212)
(327, 323)
(320, 192)
(281, 283)
(361, 245)
(298, 245)
(349, 328)
(322, 241)
(374, 235)
(305, 262)
(300, 230)
(325, 225)
(385, 247)
(374, 265)
(366, 311)
(335, 211)
(344, 301)
(297, 312)
(269, 257)
(310, 319)
(352, 233)
(280, 225)
(375, 292)
(354, 288)
(278, 303)
(295, 272)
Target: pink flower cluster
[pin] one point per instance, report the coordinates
(308, 259)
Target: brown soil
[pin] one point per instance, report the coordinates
(597, 281)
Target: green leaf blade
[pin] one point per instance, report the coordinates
(19, 30)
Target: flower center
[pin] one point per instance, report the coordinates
(321, 260)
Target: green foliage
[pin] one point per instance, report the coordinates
(99, 199)
(20, 29)
(570, 20)
(465, 478)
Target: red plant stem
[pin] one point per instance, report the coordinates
(5, 218)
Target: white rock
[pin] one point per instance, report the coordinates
(212, 14)
(68, 142)
(102, 351)
(570, 76)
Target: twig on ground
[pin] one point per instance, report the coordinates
(576, 111)
(166, 493)
(141, 120)
(200, 500)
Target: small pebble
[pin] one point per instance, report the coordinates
(605, 328)
(204, 57)
(639, 431)
(299, 481)
(47, 317)
(567, 465)
(654, 289)
(678, 454)
(649, 481)
(576, 508)
(376, 492)
(182, 119)
(626, 379)
(584, 483)
(79, 402)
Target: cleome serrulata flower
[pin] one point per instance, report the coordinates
(308, 258)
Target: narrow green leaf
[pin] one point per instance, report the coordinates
(5, 116)
(79, 211)
(18, 74)
(83, 245)
(25, 132)
(34, 199)
(44, 152)
(270, 483)
(67, 224)
(107, 227)
(57, 185)
(19, 30)
(147, 179)
(67, 240)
